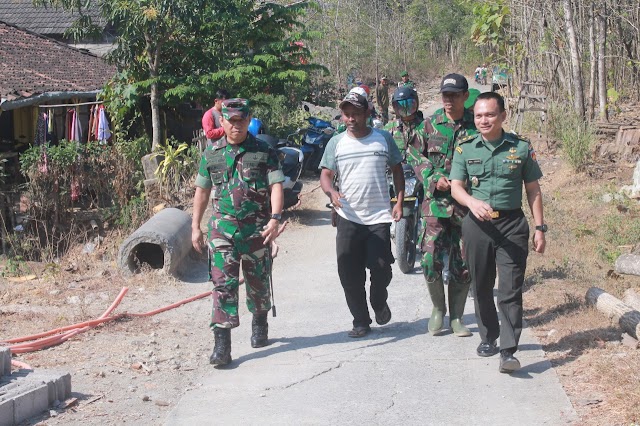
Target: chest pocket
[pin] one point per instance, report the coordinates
(437, 148)
(475, 169)
(217, 166)
(254, 166)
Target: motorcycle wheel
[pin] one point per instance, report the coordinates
(405, 245)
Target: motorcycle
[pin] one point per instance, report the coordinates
(314, 141)
(406, 231)
(291, 160)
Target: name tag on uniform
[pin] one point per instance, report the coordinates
(474, 161)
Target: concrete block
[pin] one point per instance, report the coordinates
(162, 242)
(31, 403)
(6, 413)
(5, 362)
(60, 388)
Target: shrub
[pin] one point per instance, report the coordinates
(575, 135)
(67, 178)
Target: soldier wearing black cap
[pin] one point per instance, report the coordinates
(487, 176)
(430, 153)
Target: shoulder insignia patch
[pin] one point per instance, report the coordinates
(532, 152)
(466, 139)
(459, 150)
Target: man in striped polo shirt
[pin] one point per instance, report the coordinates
(359, 158)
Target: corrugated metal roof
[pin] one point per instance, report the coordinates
(43, 20)
(31, 64)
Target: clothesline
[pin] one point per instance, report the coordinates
(71, 105)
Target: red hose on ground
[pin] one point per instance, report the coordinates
(20, 364)
(102, 318)
(51, 338)
(60, 335)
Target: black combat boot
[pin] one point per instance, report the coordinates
(259, 330)
(222, 349)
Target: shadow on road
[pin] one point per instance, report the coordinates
(378, 336)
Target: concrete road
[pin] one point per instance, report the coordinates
(312, 373)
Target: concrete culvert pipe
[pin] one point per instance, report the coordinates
(162, 242)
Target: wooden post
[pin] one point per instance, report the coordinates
(613, 308)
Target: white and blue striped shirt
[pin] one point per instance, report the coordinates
(361, 165)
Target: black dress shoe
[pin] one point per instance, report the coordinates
(508, 362)
(486, 349)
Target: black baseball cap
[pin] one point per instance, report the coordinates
(356, 100)
(454, 83)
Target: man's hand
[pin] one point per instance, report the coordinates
(396, 213)
(539, 242)
(197, 239)
(480, 209)
(335, 197)
(270, 232)
(443, 184)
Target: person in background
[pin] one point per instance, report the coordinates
(211, 120)
(382, 99)
(404, 75)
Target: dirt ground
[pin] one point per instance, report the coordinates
(134, 371)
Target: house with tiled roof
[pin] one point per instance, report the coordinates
(39, 74)
(54, 22)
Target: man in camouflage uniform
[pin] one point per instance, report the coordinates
(245, 176)
(430, 153)
(405, 104)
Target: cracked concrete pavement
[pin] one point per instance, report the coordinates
(312, 373)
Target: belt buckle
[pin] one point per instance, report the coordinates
(495, 214)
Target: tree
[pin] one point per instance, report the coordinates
(182, 49)
(576, 67)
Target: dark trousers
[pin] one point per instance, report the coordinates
(502, 242)
(359, 247)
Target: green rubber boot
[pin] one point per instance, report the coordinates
(457, 299)
(436, 291)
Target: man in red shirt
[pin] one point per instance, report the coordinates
(211, 119)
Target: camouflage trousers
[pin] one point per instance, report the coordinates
(443, 236)
(225, 257)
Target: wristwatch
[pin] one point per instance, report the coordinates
(542, 228)
(276, 216)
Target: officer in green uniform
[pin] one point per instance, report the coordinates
(430, 153)
(404, 75)
(493, 166)
(245, 176)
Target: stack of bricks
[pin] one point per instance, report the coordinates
(26, 393)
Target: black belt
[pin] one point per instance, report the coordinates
(497, 214)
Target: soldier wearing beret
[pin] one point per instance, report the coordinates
(245, 177)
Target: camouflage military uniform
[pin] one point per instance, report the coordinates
(430, 154)
(403, 132)
(240, 176)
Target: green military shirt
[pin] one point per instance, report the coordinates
(409, 83)
(495, 172)
(430, 154)
(240, 176)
